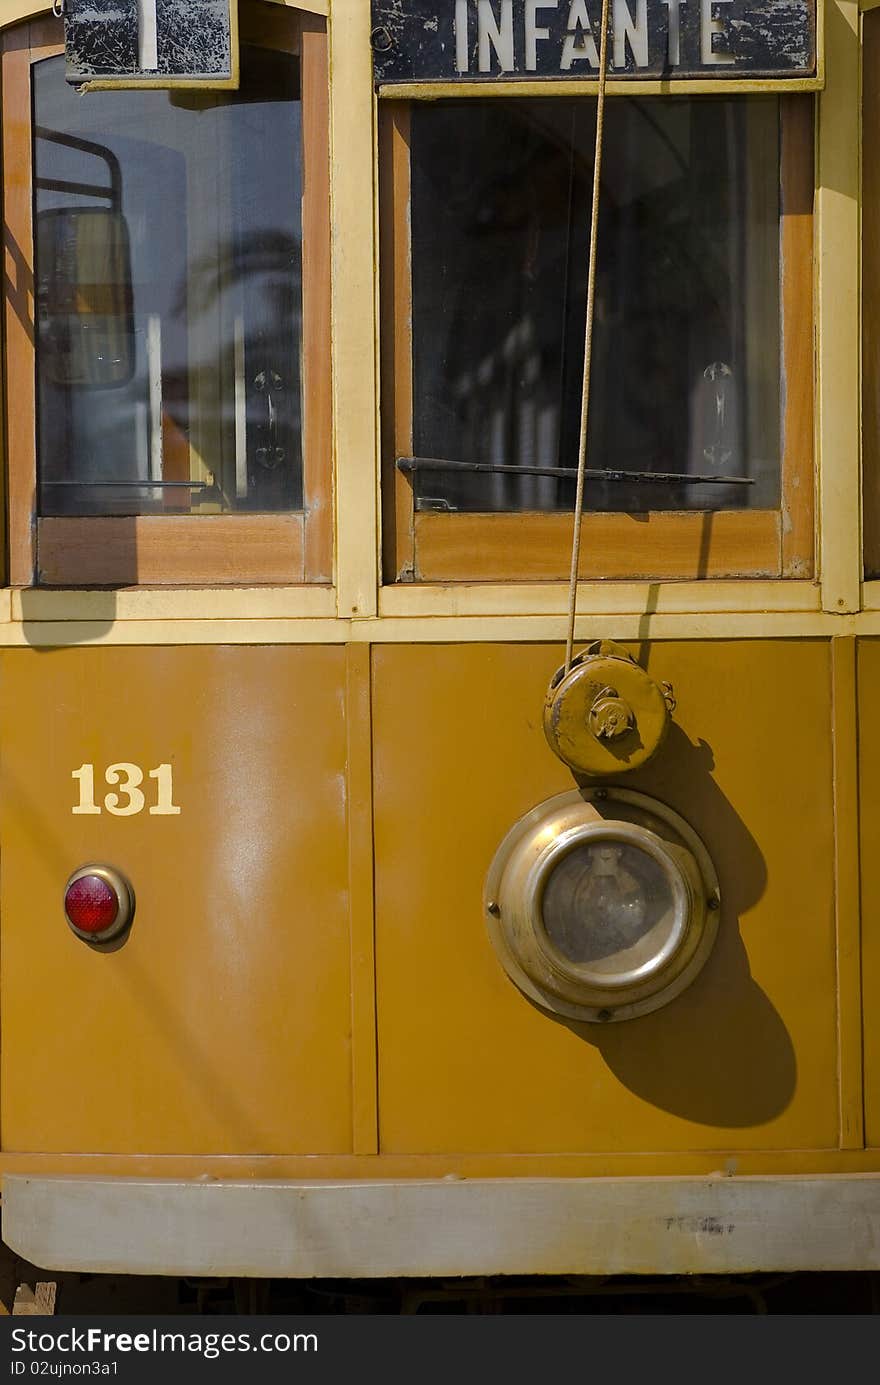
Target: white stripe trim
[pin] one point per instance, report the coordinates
(148, 39)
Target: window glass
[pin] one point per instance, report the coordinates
(169, 306)
(687, 343)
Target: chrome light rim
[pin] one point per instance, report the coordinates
(617, 832)
(522, 866)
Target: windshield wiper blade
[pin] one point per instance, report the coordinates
(410, 465)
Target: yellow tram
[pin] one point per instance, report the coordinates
(350, 925)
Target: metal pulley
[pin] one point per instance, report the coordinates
(605, 714)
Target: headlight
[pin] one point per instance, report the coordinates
(602, 904)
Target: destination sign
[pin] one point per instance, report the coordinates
(478, 40)
(129, 43)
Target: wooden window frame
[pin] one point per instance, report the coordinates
(871, 296)
(431, 546)
(159, 550)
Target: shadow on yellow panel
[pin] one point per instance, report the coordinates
(720, 1054)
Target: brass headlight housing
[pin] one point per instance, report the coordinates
(602, 904)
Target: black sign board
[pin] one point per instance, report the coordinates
(158, 43)
(480, 40)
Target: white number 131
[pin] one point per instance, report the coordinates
(128, 797)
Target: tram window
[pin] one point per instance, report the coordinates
(702, 314)
(180, 328)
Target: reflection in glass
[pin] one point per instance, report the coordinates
(168, 298)
(608, 905)
(686, 355)
(85, 310)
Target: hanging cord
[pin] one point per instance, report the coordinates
(588, 339)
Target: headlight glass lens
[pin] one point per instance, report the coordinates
(609, 906)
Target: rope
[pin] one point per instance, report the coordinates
(588, 338)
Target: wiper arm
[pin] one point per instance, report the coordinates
(410, 465)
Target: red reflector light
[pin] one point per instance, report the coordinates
(98, 903)
(90, 904)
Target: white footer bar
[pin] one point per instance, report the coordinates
(445, 1227)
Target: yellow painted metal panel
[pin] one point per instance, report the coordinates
(846, 903)
(222, 1024)
(360, 842)
(653, 1164)
(747, 1057)
(869, 797)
